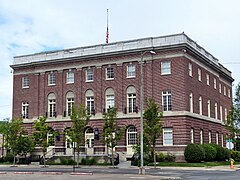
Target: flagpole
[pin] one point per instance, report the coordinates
(107, 33)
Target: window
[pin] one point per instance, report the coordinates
(131, 135)
(90, 102)
(199, 74)
(69, 103)
(51, 79)
(209, 108)
(25, 109)
(89, 75)
(209, 137)
(110, 99)
(167, 100)
(192, 135)
(216, 111)
(25, 82)
(224, 91)
(190, 69)
(208, 79)
(109, 73)
(201, 136)
(222, 139)
(220, 88)
(167, 136)
(70, 77)
(131, 72)
(165, 67)
(131, 99)
(225, 113)
(200, 105)
(50, 138)
(215, 83)
(191, 102)
(217, 138)
(51, 105)
(221, 113)
(229, 93)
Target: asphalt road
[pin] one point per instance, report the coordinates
(114, 173)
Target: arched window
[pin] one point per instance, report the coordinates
(131, 100)
(131, 135)
(69, 103)
(89, 96)
(51, 105)
(110, 99)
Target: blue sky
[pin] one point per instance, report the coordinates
(34, 26)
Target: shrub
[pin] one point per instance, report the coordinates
(235, 155)
(227, 154)
(91, 161)
(170, 157)
(194, 153)
(67, 161)
(210, 152)
(220, 152)
(160, 157)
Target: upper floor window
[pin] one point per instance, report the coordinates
(167, 100)
(216, 111)
(191, 102)
(166, 67)
(192, 135)
(208, 79)
(131, 100)
(110, 99)
(199, 74)
(224, 91)
(221, 113)
(225, 113)
(167, 136)
(220, 88)
(215, 83)
(190, 69)
(217, 141)
(25, 82)
(131, 71)
(209, 108)
(209, 137)
(70, 77)
(229, 93)
(201, 136)
(89, 74)
(90, 102)
(69, 103)
(51, 105)
(109, 73)
(25, 109)
(52, 79)
(200, 105)
(222, 140)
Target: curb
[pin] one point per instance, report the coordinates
(75, 173)
(23, 173)
(3, 172)
(52, 173)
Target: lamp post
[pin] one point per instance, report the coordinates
(141, 170)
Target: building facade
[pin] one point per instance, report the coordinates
(192, 88)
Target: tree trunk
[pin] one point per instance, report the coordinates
(154, 156)
(14, 160)
(44, 159)
(78, 153)
(112, 157)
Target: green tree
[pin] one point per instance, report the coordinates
(40, 136)
(111, 132)
(25, 144)
(233, 118)
(76, 134)
(152, 125)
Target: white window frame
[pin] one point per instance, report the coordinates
(221, 113)
(167, 101)
(215, 83)
(51, 108)
(222, 139)
(110, 101)
(216, 110)
(190, 72)
(192, 135)
(209, 108)
(90, 104)
(70, 77)
(209, 137)
(52, 79)
(220, 88)
(25, 110)
(132, 136)
(191, 102)
(225, 113)
(69, 106)
(109, 73)
(165, 67)
(217, 140)
(25, 82)
(229, 93)
(131, 102)
(200, 105)
(224, 91)
(89, 75)
(208, 79)
(167, 136)
(199, 74)
(131, 71)
(201, 136)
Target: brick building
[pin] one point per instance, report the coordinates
(189, 84)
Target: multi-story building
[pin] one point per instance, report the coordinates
(192, 88)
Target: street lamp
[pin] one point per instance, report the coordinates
(141, 170)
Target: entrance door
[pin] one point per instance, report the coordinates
(131, 139)
(89, 141)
